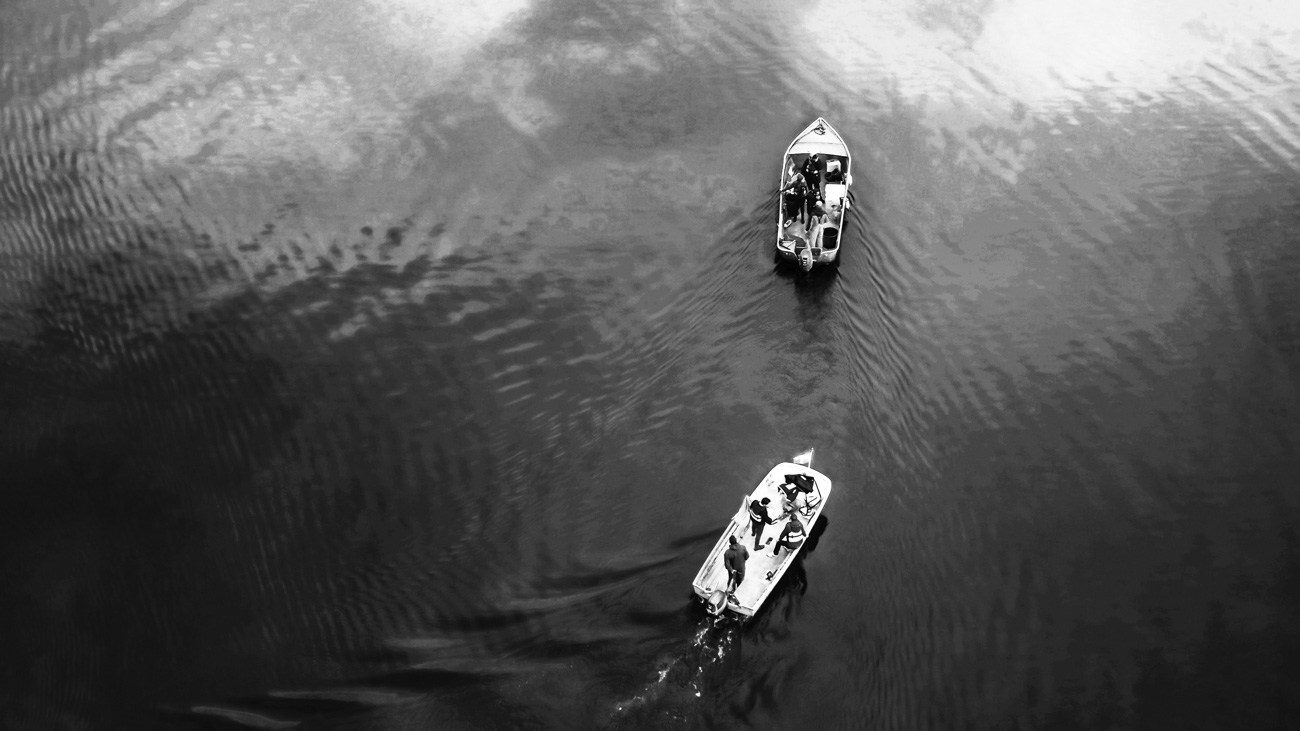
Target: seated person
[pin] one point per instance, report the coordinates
(816, 239)
(818, 214)
(792, 536)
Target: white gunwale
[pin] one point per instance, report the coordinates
(756, 587)
(827, 143)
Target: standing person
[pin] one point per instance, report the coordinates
(734, 559)
(796, 198)
(792, 536)
(812, 174)
(758, 518)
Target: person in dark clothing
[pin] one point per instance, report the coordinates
(792, 536)
(796, 198)
(812, 174)
(758, 518)
(734, 559)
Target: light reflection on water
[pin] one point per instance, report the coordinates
(398, 362)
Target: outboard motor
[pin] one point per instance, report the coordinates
(805, 259)
(717, 602)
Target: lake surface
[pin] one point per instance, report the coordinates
(395, 364)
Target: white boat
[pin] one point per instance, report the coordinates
(762, 569)
(795, 241)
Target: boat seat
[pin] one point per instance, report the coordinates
(810, 504)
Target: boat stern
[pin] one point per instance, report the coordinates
(789, 249)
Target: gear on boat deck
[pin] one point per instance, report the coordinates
(762, 569)
(799, 233)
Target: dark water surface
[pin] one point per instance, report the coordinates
(393, 364)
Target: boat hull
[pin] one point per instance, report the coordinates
(786, 251)
(796, 241)
(762, 569)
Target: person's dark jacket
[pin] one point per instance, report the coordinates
(735, 558)
(812, 173)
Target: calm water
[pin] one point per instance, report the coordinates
(394, 364)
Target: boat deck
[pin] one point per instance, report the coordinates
(833, 195)
(756, 585)
(797, 231)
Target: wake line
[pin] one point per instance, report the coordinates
(691, 669)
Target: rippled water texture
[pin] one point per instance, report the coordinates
(394, 364)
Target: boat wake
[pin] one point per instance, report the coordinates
(680, 679)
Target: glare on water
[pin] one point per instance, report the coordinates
(397, 363)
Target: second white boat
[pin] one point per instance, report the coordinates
(829, 178)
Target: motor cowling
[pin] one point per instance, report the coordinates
(716, 602)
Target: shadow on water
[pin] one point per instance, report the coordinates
(779, 610)
(815, 535)
(811, 286)
(812, 289)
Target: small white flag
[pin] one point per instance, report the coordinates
(804, 458)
